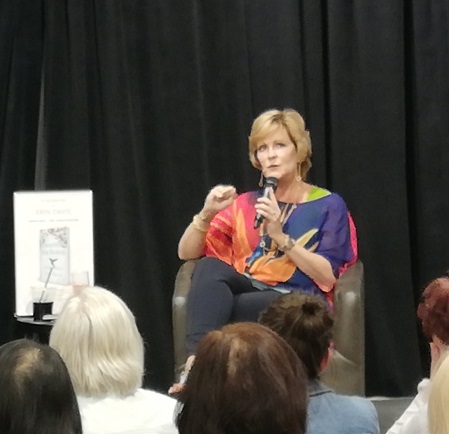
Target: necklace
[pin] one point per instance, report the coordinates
(287, 209)
(266, 243)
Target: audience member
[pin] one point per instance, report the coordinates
(36, 394)
(433, 312)
(245, 380)
(97, 336)
(305, 322)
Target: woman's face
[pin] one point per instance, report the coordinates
(277, 155)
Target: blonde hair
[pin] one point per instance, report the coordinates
(97, 337)
(437, 415)
(270, 121)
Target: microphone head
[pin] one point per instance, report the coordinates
(272, 182)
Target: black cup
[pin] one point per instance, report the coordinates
(41, 309)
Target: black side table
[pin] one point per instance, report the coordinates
(38, 331)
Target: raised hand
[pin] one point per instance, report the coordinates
(218, 198)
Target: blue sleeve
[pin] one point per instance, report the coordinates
(335, 242)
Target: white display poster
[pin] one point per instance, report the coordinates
(53, 239)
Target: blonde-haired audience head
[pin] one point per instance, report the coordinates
(437, 411)
(97, 336)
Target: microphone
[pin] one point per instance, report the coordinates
(270, 182)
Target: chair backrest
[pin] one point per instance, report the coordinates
(346, 370)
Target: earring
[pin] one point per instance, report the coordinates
(298, 173)
(261, 180)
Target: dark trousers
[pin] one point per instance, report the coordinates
(220, 295)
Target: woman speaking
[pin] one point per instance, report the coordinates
(302, 241)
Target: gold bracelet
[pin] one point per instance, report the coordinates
(202, 218)
(288, 244)
(200, 224)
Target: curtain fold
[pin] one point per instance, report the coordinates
(20, 79)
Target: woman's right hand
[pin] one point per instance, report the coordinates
(191, 245)
(218, 198)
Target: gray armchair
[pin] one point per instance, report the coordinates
(346, 371)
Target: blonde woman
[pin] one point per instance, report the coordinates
(302, 244)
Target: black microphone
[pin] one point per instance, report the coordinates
(270, 182)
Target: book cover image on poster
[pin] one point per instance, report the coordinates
(54, 256)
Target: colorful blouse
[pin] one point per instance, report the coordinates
(321, 225)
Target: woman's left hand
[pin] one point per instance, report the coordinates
(269, 208)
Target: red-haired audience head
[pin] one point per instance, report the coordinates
(245, 380)
(433, 311)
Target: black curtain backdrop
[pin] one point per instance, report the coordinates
(149, 104)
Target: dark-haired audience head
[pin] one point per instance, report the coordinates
(97, 337)
(305, 322)
(433, 311)
(36, 394)
(245, 380)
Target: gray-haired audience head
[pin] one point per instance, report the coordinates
(97, 336)
(36, 394)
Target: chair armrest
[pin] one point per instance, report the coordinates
(346, 370)
(182, 288)
(349, 327)
(183, 278)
